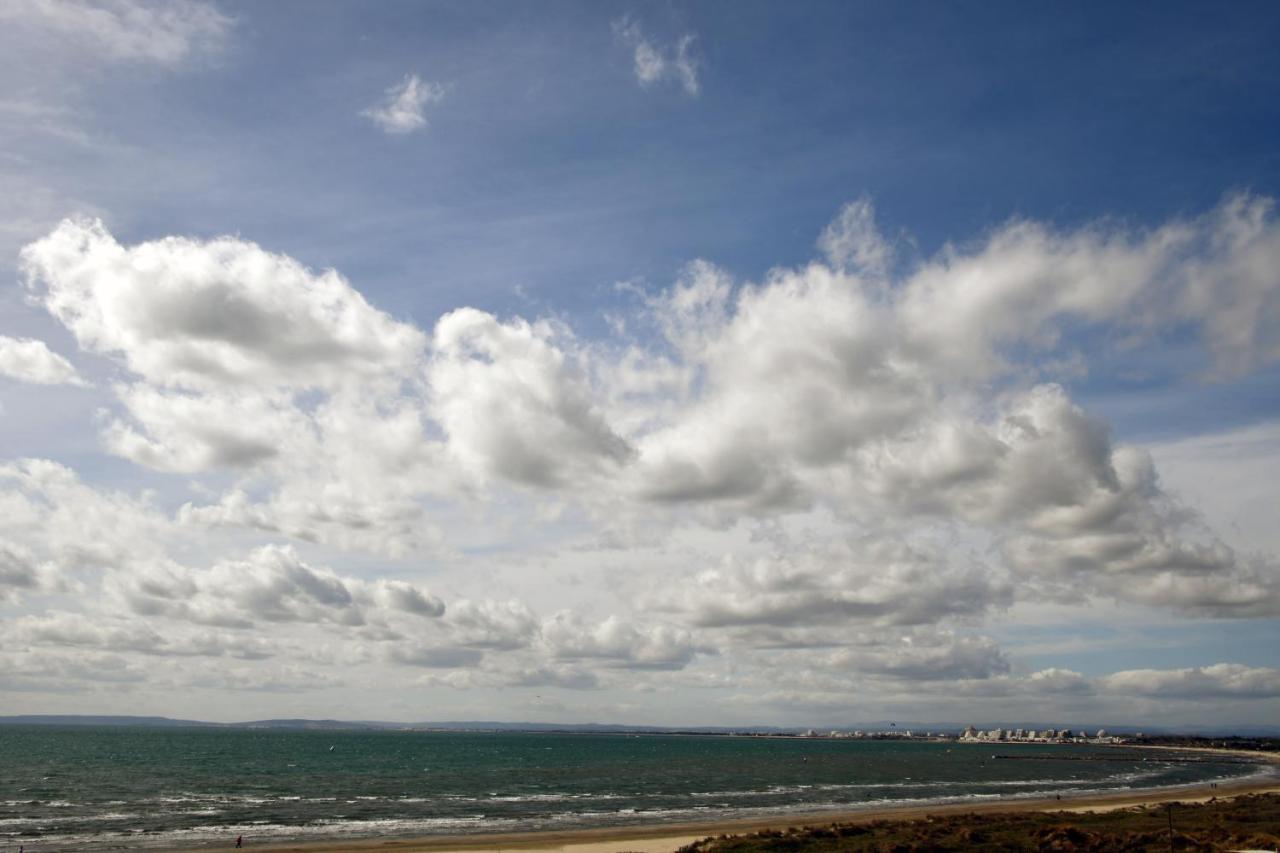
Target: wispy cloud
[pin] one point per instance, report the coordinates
(654, 63)
(403, 109)
(126, 30)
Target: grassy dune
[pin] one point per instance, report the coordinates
(1242, 823)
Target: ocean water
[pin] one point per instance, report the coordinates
(72, 788)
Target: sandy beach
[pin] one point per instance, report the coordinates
(664, 838)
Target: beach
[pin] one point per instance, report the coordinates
(665, 838)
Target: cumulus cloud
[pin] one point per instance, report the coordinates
(403, 109)
(875, 580)
(654, 64)
(513, 404)
(185, 432)
(532, 676)
(794, 375)
(65, 629)
(924, 656)
(281, 678)
(245, 360)
(350, 471)
(819, 386)
(18, 571)
(68, 526)
(857, 393)
(943, 672)
(488, 624)
(207, 314)
(1219, 681)
(272, 584)
(1057, 680)
(808, 368)
(435, 657)
(1076, 511)
(921, 661)
(67, 671)
(617, 642)
(126, 30)
(341, 514)
(1213, 273)
(29, 360)
(567, 677)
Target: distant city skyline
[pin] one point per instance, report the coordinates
(679, 365)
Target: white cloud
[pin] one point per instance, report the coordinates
(246, 360)
(165, 33)
(513, 403)
(207, 314)
(18, 571)
(1230, 477)
(70, 671)
(618, 642)
(186, 432)
(794, 374)
(435, 657)
(1215, 273)
(272, 584)
(653, 64)
(921, 657)
(493, 624)
(748, 432)
(567, 677)
(63, 629)
(1056, 680)
(875, 580)
(852, 241)
(29, 360)
(1216, 682)
(64, 524)
(403, 110)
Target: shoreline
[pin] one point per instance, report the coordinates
(668, 837)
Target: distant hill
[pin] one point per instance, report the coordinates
(336, 725)
(92, 720)
(321, 725)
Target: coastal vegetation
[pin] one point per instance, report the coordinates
(1242, 823)
(1246, 744)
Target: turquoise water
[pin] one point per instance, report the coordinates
(112, 788)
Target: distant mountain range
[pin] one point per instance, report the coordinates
(603, 728)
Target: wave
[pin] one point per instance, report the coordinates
(214, 815)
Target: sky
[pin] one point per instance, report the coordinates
(674, 364)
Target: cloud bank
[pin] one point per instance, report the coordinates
(830, 480)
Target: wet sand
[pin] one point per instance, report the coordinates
(667, 837)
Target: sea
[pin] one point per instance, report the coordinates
(117, 788)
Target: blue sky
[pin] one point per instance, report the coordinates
(631, 198)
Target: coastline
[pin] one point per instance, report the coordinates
(668, 837)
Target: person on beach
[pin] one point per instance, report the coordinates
(239, 841)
